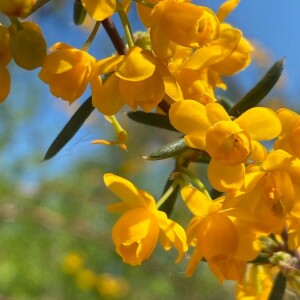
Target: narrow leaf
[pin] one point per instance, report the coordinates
(79, 13)
(278, 289)
(168, 205)
(152, 119)
(260, 91)
(169, 150)
(70, 128)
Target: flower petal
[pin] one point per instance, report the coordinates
(135, 235)
(189, 117)
(216, 112)
(260, 123)
(125, 190)
(5, 83)
(226, 8)
(137, 65)
(216, 51)
(172, 233)
(198, 203)
(225, 178)
(100, 9)
(107, 99)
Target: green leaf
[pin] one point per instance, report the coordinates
(152, 119)
(260, 91)
(278, 289)
(168, 205)
(70, 128)
(79, 12)
(169, 150)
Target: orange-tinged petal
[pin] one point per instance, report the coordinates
(261, 123)
(217, 237)
(231, 269)
(226, 8)
(189, 117)
(5, 53)
(5, 83)
(238, 60)
(135, 235)
(72, 88)
(144, 12)
(59, 62)
(107, 65)
(60, 46)
(249, 244)
(137, 65)
(100, 9)
(195, 26)
(125, 190)
(225, 178)
(147, 93)
(198, 203)
(107, 98)
(172, 233)
(161, 45)
(194, 261)
(119, 207)
(216, 51)
(172, 87)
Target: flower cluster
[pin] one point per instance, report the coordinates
(171, 73)
(106, 285)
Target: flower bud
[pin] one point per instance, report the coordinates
(16, 8)
(28, 47)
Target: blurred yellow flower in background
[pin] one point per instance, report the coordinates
(72, 263)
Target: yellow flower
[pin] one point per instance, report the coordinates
(270, 193)
(86, 279)
(194, 26)
(72, 263)
(28, 46)
(227, 55)
(67, 71)
(110, 286)
(5, 55)
(224, 242)
(121, 133)
(257, 283)
(238, 60)
(5, 58)
(16, 8)
(138, 79)
(226, 8)
(289, 140)
(193, 83)
(100, 10)
(229, 142)
(136, 233)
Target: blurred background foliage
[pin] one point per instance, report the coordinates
(55, 232)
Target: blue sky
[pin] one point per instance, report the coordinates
(275, 24)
